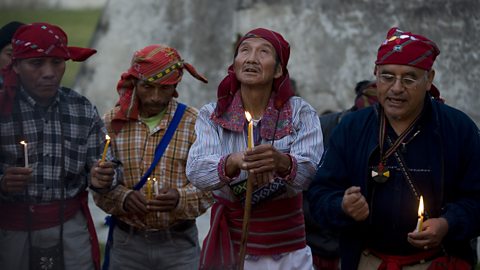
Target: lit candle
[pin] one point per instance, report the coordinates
(106, 147)
(149, 189)
(25, 152)
(420, 216)
(250, 130)
(155, 186)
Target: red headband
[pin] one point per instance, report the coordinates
(405, 48)
(32, 41)
(157, 64)
(282, 86)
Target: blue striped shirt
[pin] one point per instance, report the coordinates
(213, 142)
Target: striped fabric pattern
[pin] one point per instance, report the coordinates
(214, 143)
(84, 137)
(135, 146)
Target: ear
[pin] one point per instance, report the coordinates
(15, 66)
(430, 76)
(278, 72)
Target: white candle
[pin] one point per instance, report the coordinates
(25, 152)
(155, 186)
(420, 216)
(250, 130)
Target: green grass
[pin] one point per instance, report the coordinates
(78, 24)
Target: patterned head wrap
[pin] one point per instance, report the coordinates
(32, 41)
(405, 48)
(281, 86)
(157, 64)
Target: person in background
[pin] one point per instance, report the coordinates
(51, 140)
(6, 34)
(286, 145)
(324, 241)
(155, 206)
(400, 179)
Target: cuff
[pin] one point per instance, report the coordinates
(221, 171)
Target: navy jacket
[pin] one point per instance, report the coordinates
(455, 162)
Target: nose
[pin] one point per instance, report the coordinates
(252, 57)
(48, 71)
(397, 85)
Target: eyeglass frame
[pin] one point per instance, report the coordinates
(405, 81)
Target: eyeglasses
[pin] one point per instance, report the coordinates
(407, 81)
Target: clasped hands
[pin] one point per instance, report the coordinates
(263, 161)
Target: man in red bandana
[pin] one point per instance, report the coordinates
(286, 147)
(400, 179)
(50, 141)
(154, 207)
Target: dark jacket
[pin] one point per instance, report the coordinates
(454, 155)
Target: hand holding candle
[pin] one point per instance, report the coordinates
(25, 152)
(420, 215)
(105, 148)
(250, 130)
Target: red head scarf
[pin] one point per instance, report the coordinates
(158, 64)
(282, 86)
(32, 41)
(405, 48)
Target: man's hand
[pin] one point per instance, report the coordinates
(15, 179)
(434, 229)
(102, 174)
(136, 203)
(264, 161)
(354, 204)
(165, 201)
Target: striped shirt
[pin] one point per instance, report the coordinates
(214, 143)
(135, 146)
(70, 124)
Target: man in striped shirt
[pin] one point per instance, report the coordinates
(155, 218)
(44, 217)
(287, 143)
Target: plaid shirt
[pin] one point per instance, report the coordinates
(135, 146)
(71, 125)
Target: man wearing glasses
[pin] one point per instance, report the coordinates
(387, 162)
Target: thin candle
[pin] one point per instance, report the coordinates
(250, 130)
(155, 186)
(25, 152)
(420, 215)
(149, 188)
(105, 148)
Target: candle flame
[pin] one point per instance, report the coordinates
(23, 142)
(420, 207)
(248, 116)
(107, 137)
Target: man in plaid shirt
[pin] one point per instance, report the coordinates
(155, 223)
(44, 217)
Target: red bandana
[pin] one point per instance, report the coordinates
(282, 85)
(32, 41)
(405, 48)
(157, 64)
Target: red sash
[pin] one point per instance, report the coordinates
(13, 217)
(393, 262)
(276, 227)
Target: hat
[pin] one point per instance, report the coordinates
(405, 48)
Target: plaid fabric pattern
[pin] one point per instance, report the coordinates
(70, 121)
(135, 146)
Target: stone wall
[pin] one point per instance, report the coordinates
(333, 43)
